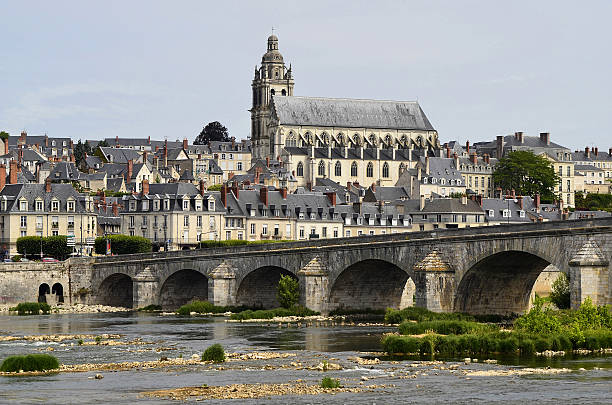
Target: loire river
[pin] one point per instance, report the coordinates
(405, 381)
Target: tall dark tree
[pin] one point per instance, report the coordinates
(527, 174)
(80, 151)
(4, 135)
(213, 131)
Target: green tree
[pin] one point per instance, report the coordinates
(560, 294)
(288, 291)
(213, 131)
(593, 202)
(527, 174)
(215, 187)
(4, 135)
(80, 151)
(103, 143)
(123, 244)
(54, 246)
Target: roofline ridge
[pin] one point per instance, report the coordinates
(352, 99)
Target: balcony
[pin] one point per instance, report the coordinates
(264, 236)
(70, 225)
(277, 236)
(54, 225)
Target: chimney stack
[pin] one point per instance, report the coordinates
(283, 192)
(467, 147)
(474, 158)
(267, 161)
(456, 157)
(235, 189)
(13, 172)
(263, 195)
(448, 153)
(520, 201)
(48, 185)
(224, 195)
(116, 140)
(426, 164)
(500, 146)
(149, 139)
(145, 187)
(6, 148)
(2, 177)
(610, 152)
(545, 137)
(166, 153)
(145, 157)
(519, 136)
(421, 203)
(587, 152)
(185, 144)
(115, 209)
(202, 188)
(596, 150)
(130, 170)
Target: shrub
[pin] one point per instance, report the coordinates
(421, 314)
(54, 246)
(123, 244)
(444, 327)
(328, 382)
(273, 313)
(560, 294)
(32, 308)
(31, 362)
(16, 258)
(287, 291)
(538, 320)
(214, 353)
(394, 344)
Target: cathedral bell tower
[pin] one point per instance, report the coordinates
(271, 79)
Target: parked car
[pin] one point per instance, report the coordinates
(49, 260)
(7, 261)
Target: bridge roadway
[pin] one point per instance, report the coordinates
(476, 270)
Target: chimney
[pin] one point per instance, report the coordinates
(185, 144)
(587, 152)
(145, 156)
(610, 152)
(48, 185)
(545, 137)
(235, 189)
(115, 209)
(2, 177)
(479, 199)
(373, 187)
(519, 136)
(467, 147)
(464, 199)
(166, 153)
(46, 141)
(474, 158)
(283, 192)
(224, 195)
(500, 146)
(332, 197)
(202, 188)
(22, 137)
(156, 148)
(6, 149)
(149, 139)
(421, 203)
(537, 202)
(456, 157)
(233, 142)
(486, 158)
(520, 201)
(448, 153)
(19, 154)
(426, 164)
(267, 161)
(263, 195)
(596, 150)
(130, 170)
(13, 172)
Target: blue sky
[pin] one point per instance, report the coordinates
(90, 70)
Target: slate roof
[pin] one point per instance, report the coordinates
(66, 171)
(349, 113)
(450, 205)
(587, 168)
(120, 155)
(528, 141)
(187, 176)
(580, 156)
(59, 191)
(114, 184)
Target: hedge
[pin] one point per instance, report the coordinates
(31, 362)
(123, 244)
(54, 246)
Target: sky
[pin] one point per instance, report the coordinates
(96, 69)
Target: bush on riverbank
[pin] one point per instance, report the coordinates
(453, 327)
(31, 362)
(214, 353)
(328, 382)
(288, 291)
(31, 308)
(273, 313)
(205, 307)
(421, 314)
(560, 294)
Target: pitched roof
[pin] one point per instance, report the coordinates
(350, 113)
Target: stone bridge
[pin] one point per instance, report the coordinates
(476, 270)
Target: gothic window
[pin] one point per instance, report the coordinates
(403, 140)
(300, 170)
(356, 140)
(354, 169)
(370, 170)
(283, 92)
(385, 170)
(340, 140)
(338, 169)
(372, 139)
(321, 168)
(388, 140)
(402, 168)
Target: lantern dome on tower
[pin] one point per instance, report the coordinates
(272, 55)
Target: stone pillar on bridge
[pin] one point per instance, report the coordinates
(435, 283)
(145, 287)
(589, 276)
(314, 285)
(222, 285)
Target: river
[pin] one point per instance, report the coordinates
(589, 381)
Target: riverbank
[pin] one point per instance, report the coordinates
(72, 309)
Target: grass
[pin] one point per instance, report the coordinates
(421, 314)
(214, 353)
(443, 327)
(31, 308)
(205, 307)
(31, 362)
(272, 313)
(328, 382)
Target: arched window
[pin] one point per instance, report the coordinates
(402, 168)
(356, 140)
(300, 169)
(354, 169)
(340, 140)
(321, 168)
(370, 170)
(372, 139)
(338, 169)
(272, 92)
(385, 171)
(388, 141)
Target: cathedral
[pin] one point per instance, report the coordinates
(345, 140)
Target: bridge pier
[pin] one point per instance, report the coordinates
(435, 284)
(314, 286)
(589, 276)
(145, 286)
(222, 285)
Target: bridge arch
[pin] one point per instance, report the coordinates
(258, 288)
(116, 290)
(373, 284)
(58, 290)
(182, 287)
(43, 290)
(500, 283)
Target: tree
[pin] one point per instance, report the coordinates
(288, 291)
(527, 174)
(4, 135)
(80, 151)
(213, 131)
(123, 244)
(103, 143)
(560, 294)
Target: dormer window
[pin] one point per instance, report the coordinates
(433, 180)
(491, 213)
(211, 205)
(39, 205)
(55, 206)
(23, 205)
(167, 205)
(145, 205)
(198, 205)
(522, 214)
(424, 180)
(156, 205)
(132, 205)
(71, 206)
(185, 205)
(506, 213)
(442, 181)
